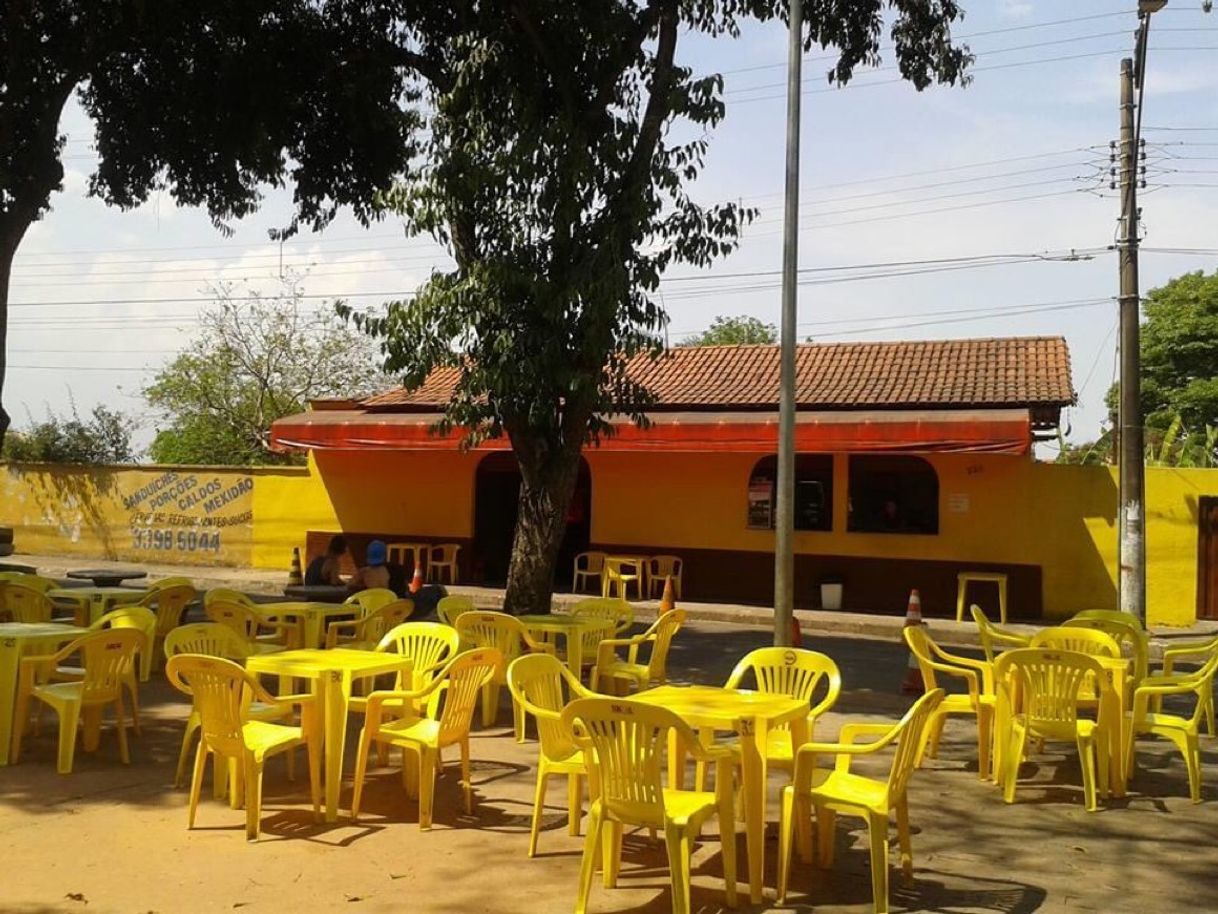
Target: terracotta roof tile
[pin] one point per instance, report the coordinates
(1011, 371)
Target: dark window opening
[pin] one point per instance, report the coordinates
(893, 494)
(813, 492)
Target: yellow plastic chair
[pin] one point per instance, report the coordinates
(978, 677)
(1184, 732)
(1129, 635)
(41, 584)
(371, 599)
(366, 633)
(1198, 651)
(23, 602)
(660, 568)
(36, 581)
(588, 565)
(791, 671)
(616, 580)
(840, 791)
(507, 635)
(421, 737)
(1110, 615)
(429, 645)
(222, 693)
(168, 598)
(451, 607)
(1081, 640)
(616, 610)
(213, 639)
(621, 612)
(617, 674)
(250, 624)
(1044, 689)
(226, 595)
(442, 558)
(536, 682)
(141, 620)
(994, 637)
(624, 743)
(109, 657)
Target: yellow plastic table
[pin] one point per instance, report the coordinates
(101, 600)
(751, 715)
(312, 616)
(17, 640)
(571, 628)
(331, 674)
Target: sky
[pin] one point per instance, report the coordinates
(1017, 163)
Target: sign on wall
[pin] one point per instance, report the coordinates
(177, 516)
(184, 513)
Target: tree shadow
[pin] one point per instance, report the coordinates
(81, 493)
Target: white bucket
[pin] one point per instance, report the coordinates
(830, 596)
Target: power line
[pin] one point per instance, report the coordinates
(196, 299)
(887, 82)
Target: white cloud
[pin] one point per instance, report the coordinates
(1014, 9)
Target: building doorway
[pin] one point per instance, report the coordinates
(1207, 558)
(496, 493)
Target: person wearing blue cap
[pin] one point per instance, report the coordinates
(374, 572)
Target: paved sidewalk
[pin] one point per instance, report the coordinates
(814, 623)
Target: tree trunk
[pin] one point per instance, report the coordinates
(545, 495)
(9, 239)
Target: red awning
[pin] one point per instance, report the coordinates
(995, 431)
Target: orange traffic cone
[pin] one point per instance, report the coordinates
(416, 582)
(295, 578)
(666, 599)
(912, 683)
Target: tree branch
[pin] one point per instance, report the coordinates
(431, 70)
(562, 75)
(658, 107)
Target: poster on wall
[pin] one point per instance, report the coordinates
(179, 515)
(185, 516)
(761, 502)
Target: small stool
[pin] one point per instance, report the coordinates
(964, 578)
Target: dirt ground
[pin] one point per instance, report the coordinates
(110, 838)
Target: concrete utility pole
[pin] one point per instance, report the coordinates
(1131, 524)
(784, 495)
(1132, 544)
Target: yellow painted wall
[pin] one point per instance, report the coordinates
(185, 515)
(992, 509)
(386, 492)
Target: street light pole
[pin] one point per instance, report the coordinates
(784, 523)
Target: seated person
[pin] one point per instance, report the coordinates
(324, 568)
(374, 572)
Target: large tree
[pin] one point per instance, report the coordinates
(104, 437)
(1179, 345)
(734, 331)
(208, 100)
(561, 140)
(254, 359)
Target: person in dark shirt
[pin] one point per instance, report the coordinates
(324, 568)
